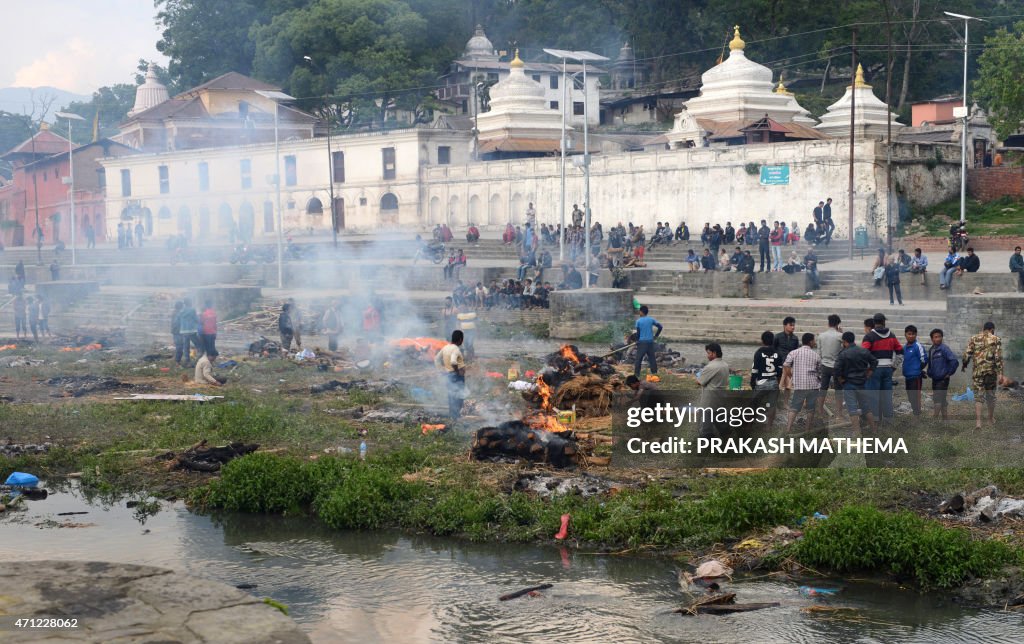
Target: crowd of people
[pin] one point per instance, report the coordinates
(862, 374)
(196, 330)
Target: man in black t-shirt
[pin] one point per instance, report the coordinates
(764, 375)
(784, 343)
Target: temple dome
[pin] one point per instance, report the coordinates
(479, 47)
(517, 92)
(871, 115)
(150, 94)
(738, 89)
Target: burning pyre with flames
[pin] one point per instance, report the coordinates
(572, 384)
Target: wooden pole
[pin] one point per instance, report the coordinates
(853, 97)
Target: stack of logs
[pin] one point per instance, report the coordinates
(516, 439)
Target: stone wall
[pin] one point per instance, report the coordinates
(967, 314)
(577, 313)
(989, 184)
(694, 185)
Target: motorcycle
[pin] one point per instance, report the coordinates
(960, 240)
(432, 252)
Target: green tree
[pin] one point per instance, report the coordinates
(369, 56)
(14, 128)
(999, 87)
(206, 38)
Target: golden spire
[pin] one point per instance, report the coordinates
(43, 126)
(515, 61)
(858, 79)
(781, 88)
(736, 42)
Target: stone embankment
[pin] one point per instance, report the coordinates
(92, 601)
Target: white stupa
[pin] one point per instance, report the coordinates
(519, 119)
(870, 114)
(150, 94)
(739, 89)
(479, 47)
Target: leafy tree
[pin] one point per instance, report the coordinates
(999, 87)
(14, 128)
(368, 56)
(206, 38)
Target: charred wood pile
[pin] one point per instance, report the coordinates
(666, 357)
(514, 440)
(75, 386)
(200, 458)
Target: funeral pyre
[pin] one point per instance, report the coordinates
(571, 385)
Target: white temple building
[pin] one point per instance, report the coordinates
(519, 120)
(734, 94)
(870, 118)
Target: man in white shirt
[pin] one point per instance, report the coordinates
(450, 361)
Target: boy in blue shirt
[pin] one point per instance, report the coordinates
(914, 361)
(645, 337)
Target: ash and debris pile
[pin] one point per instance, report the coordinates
(75, 386)
(984, 505)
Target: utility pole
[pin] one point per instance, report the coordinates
(888, 132)
(853, 101)
(330, 158)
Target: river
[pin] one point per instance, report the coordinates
(391, 587)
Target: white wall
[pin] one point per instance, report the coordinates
(694, 185)
(361, 190)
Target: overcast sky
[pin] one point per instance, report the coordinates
(75, 45)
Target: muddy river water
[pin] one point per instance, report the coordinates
(391, 587)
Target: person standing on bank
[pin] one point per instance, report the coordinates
(854, 367)
(987, 352)
(188, 326)
(803, 368)
(208, 328)
(450, 361)
(713, 379)
(892, 280)
(645, 337)
(1017, 266)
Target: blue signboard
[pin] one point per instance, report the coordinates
(775, 175)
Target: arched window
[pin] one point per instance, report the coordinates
(315, 207)
(389, 202)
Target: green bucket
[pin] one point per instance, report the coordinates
(735, 382)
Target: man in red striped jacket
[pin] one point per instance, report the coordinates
(884, 345)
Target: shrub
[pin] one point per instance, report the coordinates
(368, 497)
(862, 538)
(261, 482)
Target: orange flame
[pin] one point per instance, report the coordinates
(95, 346)
(545, 422)
(570, 355)
(544, 391)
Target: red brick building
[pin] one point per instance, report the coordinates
(38, 193)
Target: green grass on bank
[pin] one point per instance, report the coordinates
(684, 514)
(1001, 217)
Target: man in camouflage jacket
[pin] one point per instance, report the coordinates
(986, 350)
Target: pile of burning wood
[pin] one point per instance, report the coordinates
(572, 384)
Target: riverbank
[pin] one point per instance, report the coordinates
(880, 520)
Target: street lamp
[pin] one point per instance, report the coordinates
(330, 163)
(277, 97)
(71, 183)
(582, 57)
(964, 111)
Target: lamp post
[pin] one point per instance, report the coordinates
(582, 57)
(277, 97)
(964, 112)
(71, 183)
(330, 164)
